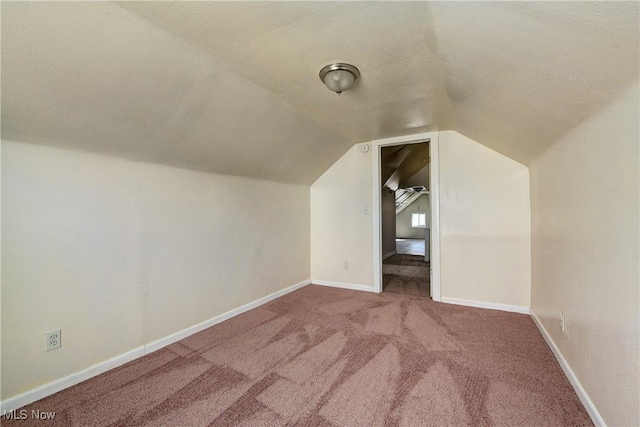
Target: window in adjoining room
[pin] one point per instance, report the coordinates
(419, 220)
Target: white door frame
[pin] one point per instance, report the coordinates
(434, 184)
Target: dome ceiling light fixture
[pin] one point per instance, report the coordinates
(339, 77)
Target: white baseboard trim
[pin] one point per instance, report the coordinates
(352, 286)
(163, 342)
(580, 391)
(490, 305)
(48, 389)
(18, 401)
(389, 255)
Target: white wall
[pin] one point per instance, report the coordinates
(585, 212)
(484, 224)
(119, 254)
(404, 230)
(484, 214)
(340, 229)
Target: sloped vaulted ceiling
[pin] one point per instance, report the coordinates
(233, 88)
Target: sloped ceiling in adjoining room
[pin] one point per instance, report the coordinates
(233, 87)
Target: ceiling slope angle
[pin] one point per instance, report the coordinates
(514, 76)
(282, 46)
(96, 77)
(233, 88)
(519, 75)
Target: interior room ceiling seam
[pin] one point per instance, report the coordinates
(220, 61)
(233, 88)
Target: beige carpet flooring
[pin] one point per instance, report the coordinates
(331, 357)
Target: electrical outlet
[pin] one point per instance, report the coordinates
(346, 265)
(563, 323)
(53, 340)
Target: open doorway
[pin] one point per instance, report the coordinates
(405, 218)
(406, 215)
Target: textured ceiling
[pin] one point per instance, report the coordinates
(233, 87)
(521, 74)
